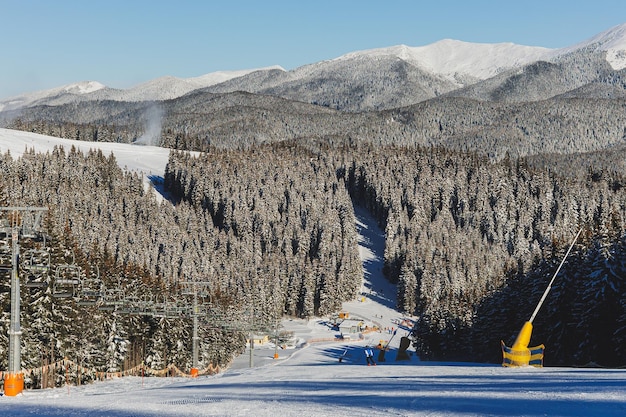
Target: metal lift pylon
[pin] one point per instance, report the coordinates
(23, 221)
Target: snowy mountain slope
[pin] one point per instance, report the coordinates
(390, 77)
(611, 41)
(145, 160)
(591, 69)
(310, 381)
(29, 99)
(148, 161)
(166, 88)
(457, 60)
(401, 75)
(542, 80)
(163, 88)
(361, 83)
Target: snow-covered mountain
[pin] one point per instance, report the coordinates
(457, 60)
(612, 41)
(396, 76)
(590, 69)
(401, 75)
(163, 88)
(166, 88)
(391, 77)
(29, 99)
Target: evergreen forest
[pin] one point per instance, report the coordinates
(471, 243)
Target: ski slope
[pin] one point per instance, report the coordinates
(146, 160)
(307, 379)
(312, 383)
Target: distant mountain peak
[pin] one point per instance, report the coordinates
(162, 88)
(612, 41)
(451, 58)
(77, 89)
(83, 87)
(614, 38)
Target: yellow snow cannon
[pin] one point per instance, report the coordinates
(520, 354)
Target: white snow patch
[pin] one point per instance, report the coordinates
(84, 87)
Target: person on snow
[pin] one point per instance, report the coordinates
(369, 356)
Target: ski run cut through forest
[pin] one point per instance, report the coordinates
(322, 374)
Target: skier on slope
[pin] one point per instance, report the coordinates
(369, 356)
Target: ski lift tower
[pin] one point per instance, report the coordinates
(20, 222)
(195, 315)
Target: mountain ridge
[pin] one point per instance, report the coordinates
(611, 41)
(423, 71)
(391, 77)
(161, 88)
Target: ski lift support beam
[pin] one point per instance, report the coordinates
(195, 314)
(19, 226)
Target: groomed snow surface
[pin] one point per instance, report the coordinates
(313, 383)
(309, 380)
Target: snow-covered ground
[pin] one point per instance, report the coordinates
(309, 380)
(146, 160)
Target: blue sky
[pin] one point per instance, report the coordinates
(49, 43)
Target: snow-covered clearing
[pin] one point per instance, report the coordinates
(309, 380)
(146, 160)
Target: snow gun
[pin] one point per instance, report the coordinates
(520, 354)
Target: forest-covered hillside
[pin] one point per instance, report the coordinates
(470, 242)
(202, 121)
